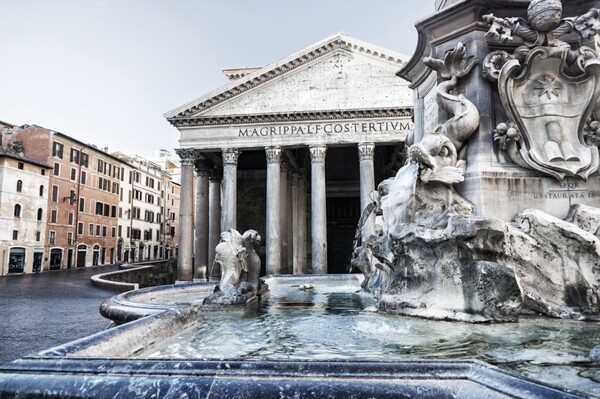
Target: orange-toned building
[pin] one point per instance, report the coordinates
(82, 198)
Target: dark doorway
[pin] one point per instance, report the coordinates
(81, 255)
(16, 260)
(69, 258)
(55, 258)
(37, 261)
(119, 249)
(95, 255)
(342, 218)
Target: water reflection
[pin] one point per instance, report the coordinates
(330, 323)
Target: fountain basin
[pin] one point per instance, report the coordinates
(309, 334)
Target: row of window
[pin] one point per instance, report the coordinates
(18, 210)
(136, 177)
(21, 166)
(108, 169)
(102, 209)
(136, 234)
(15, 235)
(96, 230)
(20, 188)
(103, 184)
(148, 198)
(136, 213)
(78, 157)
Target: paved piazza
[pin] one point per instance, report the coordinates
(40, 311)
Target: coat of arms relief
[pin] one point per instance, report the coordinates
(549, 89)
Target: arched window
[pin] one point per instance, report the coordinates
(19, 186)
(39, 214)
(17, 211)
(41, 190)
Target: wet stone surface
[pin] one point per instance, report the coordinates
(38, 311)
(335, 322)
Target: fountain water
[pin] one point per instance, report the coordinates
(441, 255)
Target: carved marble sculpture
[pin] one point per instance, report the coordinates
(251, 239)
(240, 267)
(548, 89)
(436, 259)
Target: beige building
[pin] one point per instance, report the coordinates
(292, 150)
(23, 210)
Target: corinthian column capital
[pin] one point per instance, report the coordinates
(317, 153)
(187, 155)
(366, 151)
(273, 154)
(230, 156)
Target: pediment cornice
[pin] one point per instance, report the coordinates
(294, 117)
(263, 75)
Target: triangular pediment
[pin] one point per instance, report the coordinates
(338, 73)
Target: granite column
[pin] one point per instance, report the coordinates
(273, 261)
(202, 216)
(283, 195)
(301, 230)
(290, 224)
(318, 209)
(367, 184)
(214, 220)
(295, 217)
(229, 205)
(186, 216)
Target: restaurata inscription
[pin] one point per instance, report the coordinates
(567, 191)
(327, 129)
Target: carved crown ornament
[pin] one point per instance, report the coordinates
(230, 156)
(266, 74)
(273, 154)
(548, 88)
(366, 151)
(187, 155)
(317, 153)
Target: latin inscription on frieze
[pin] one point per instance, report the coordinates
(327, 129)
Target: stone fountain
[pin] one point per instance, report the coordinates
(494, 217)
(438, 255)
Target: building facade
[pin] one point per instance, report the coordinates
(70, 204)
(82, 197)
(23, 211)
(292, 150)
(141, 231)
(171, 216)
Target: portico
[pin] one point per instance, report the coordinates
(299, 145)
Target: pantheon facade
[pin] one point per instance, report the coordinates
(291, 150)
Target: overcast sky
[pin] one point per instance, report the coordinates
(105, 71)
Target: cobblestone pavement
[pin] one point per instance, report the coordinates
(39, 311)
